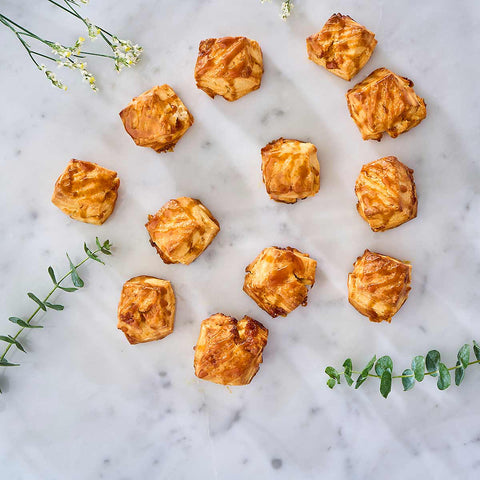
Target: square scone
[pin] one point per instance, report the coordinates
(385, 102)
(342, 46)
(378, 285)
(278, 279)
(86, 192)
(181, 230)
(146, 310)
(157, 119)
(230, 67)
(386, 194)
(228, 351)
(290, 170)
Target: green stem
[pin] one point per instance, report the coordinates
(46, 299)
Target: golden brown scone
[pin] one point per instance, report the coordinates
(86, 192)
(385, 102)
(157, 119)
(386, 194)
(378, 285)
(228, 351)
(342, 46)
(278, 279)
(146, 311)
(290, 170)
(229, 66)
(181, 230)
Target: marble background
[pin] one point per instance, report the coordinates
(87, 405)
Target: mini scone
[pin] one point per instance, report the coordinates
(378, 285)
(86, 192)
(385, 102)
(386, 194)
(146, 311)
(181, 230)
(229, 352)
(290, 170)
(342, 46)
(278, 279)
(229, 66)
(157, 119)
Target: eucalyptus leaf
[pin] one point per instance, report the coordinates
(68, 289)
(363, 376)
(418, 367)
(22, 323)
(476, 350)
(432, 361)
(77, 281)
(347, 372)
(383, 363)
(92, 255)
(52, 275)
(331, 382)
(37, 301)
(463, 355)
(5, 363)
(12, 341)
(444, 379)
(386, 383)
(332, 373)
(54, 306)
(459, 374)
(408, 379)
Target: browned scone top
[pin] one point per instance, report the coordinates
(228, 351)
(157, 119)
(342, 46)
(86, 192)
(278, 279)
(386, 194)
(379, 285)
(181, 230)
(385, 102)
(290, 170)
(146, 310)
(229, 66)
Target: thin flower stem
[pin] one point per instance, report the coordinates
(7, 348)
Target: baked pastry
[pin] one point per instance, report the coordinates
(378, 285)
(86, 192)
(157, 119)
(181, 230)
(146, 311)
(229, 66)
(386, 194)
(342, 46)
(278, 279)
(228, 351)
(290, 170)
(385, 102)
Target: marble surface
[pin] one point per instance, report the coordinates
(87, 405)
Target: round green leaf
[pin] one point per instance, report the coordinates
(331, 382)
(408, 379)
(386, 383)
(418, 367)
(459, 374)
(464, 355)
(432, 361)
(383, 363)
(476, 350)
(444, 379)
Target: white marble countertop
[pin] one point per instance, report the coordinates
(87, 405)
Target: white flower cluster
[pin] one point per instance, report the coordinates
(52, 77)
(82, 67)
(93, 30)
(286, 9)
(67, 52)
(125, 52)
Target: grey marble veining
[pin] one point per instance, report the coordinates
(86, 405)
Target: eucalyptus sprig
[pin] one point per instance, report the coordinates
(430, 365)
(44, 305)
(124, 53)
(285, 9)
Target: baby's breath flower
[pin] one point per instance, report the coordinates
(52, 77)
(90, 79)
(93, 30)
(125, 52)
(286, 9)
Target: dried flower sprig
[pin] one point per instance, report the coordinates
(124, 53)
(420, 367)
(12, 341)
(285, 9)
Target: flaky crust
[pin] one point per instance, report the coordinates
(181, 230)
(228, 351)
(385, 102)
(86, 192)
(229, 66)
(342, 46)
(378, 285)
(278, 279)
(146, 310)
(290, 170)
(157, 119)
(386, 194)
